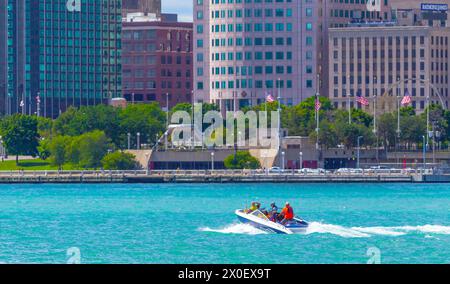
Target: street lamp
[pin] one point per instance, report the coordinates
(282, 156)
(424, 153)
(212, 161)
(129, 140)
(138, 146)
(301, 161)
(359, 148)
(147, 163)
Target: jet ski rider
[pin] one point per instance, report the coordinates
(273, 214)
(287, 214)
(255, 206)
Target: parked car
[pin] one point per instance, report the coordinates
(275, 170)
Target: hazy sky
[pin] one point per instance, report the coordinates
(181, 7)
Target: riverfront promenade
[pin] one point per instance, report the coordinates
(217, 176)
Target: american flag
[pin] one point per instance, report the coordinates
(318, 104)
(362, 100)
(269, 98)
(38, 99)
(406, 99)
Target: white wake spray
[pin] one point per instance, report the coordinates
(345, 232)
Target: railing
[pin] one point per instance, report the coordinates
(199, 173)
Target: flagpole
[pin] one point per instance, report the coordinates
(349, 111)
(375, 114)
(398, 121)
(349, 108)
(279, 118)
(317, 113)
(398, 107)
(38, 100)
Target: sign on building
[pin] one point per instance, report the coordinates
(434, 7)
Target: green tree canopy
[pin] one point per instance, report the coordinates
(242, 160)
(20, 135)
(119, 161)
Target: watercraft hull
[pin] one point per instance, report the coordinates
(269, 226)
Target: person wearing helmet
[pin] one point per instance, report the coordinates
(287, 213)
(273, 212)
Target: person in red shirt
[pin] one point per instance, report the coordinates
(287, 213)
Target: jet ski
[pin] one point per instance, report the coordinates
(260, 221)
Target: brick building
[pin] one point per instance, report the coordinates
(157, 62)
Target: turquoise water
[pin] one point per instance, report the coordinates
(401, 223)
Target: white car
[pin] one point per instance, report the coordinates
(275, 170)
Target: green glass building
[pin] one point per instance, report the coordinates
(58, 53)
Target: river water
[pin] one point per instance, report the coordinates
(195, 223)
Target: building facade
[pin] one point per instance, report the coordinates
(141, 6)
(59, 53)
(389, 61)
(157, 62)
(245, 50)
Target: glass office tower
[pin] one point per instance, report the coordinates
(59, 53)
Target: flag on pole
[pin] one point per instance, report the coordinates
(38, 99)
(406, 99)
(318, 104)
(269, 98)
(22, 104)
(362, 100)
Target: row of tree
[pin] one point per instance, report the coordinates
(335, 129)
(84, 136)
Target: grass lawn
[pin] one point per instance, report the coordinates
(31, 165)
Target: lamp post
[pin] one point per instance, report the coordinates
(129, 140)
(301, 161)
(212, 161)
(424, 152)
(359, 149)
(283, 154)
(375, 126)
(147, 163)
(138, 146)
(167, 122)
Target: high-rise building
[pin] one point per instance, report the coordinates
(340, 14)
(141, 6)
(157, 61)
(58, 53)
(387, 63)
(246, 50)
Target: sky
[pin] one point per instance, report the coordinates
(181, 7)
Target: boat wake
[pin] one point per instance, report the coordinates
(345, 232)
(235, 229)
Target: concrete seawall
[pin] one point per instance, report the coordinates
(208, 177)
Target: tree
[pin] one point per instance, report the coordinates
(242, 160)
(119, 161)
(387, 126)
(146, 119)
(88, 150)
(75, 122)
(44, 149)
(45, 127)
(349, 133)
(413, 128)
(58, 150)
(20, 135)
